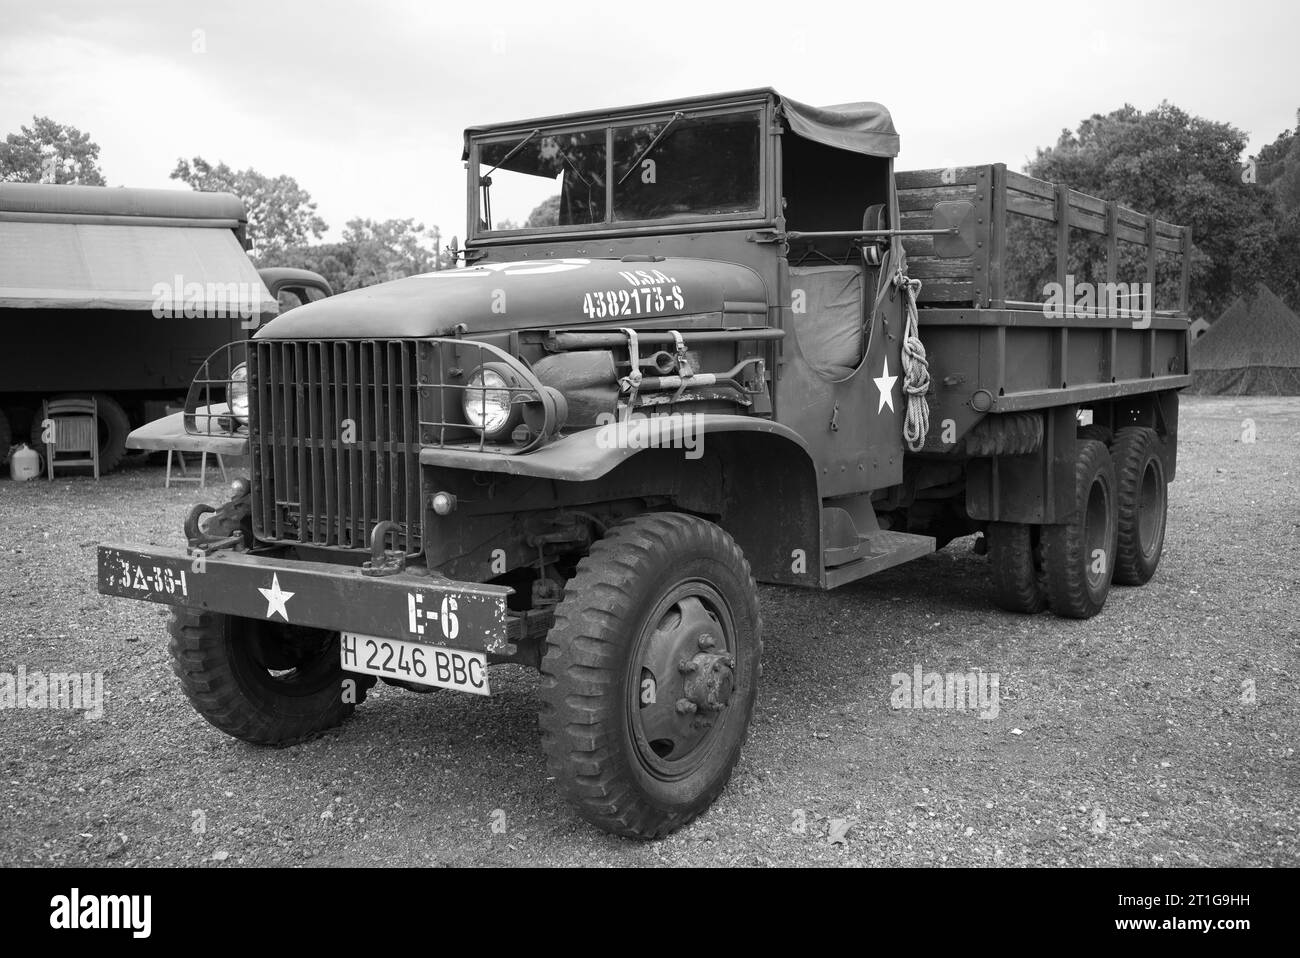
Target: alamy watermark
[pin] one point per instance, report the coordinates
(196, 300)
(953, 691)
(1131, 301)
(677, 430)
(79, 691)
(75, 911)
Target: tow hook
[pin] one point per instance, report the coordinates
(229, 522)
(383, 561)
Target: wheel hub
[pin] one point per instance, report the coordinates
(687, 675)
(707, 685)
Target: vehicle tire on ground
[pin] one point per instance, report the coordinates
(650, 674)
(1079, 556)
(1143, 503)
(262, 682)
(114, 427)
(1015, 564)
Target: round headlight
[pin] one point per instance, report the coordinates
(487, 403)
(237, 392)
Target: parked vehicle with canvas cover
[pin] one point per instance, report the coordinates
(119, 294)
(581, 451)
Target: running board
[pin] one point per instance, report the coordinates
(886, 549)
(850, 555)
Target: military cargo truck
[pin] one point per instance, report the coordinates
(741, 349)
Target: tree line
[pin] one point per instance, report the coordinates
(1244, 211)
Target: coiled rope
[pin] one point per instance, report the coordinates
(916, 368)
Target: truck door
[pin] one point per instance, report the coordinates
(840, 383)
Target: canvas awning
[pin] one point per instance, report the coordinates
(51, 265)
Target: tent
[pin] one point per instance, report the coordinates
(1252, 349)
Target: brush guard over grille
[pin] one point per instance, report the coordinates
(452, 364)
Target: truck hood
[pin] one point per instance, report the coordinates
(526, 293)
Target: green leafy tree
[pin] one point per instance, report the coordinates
(1278, 170)
(50, 152)
(281, 214)
(370, 252)
(334, 261)
(388, 250)
(1181, 168)
(546, 213)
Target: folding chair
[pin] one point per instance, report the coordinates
(201, 479)
(76, 430)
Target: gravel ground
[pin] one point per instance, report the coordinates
(1130, 739)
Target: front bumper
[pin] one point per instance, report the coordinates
(407, 605)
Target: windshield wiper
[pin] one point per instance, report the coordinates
(485, 181)
(506, 159)
(653, 143)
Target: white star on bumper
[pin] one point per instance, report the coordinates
(276, 599)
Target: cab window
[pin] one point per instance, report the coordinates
(557, 175)
(288, 299)
(684, 166)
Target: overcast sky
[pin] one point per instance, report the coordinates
(365, 102)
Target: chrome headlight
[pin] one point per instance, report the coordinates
(237, 392)
(488, 402)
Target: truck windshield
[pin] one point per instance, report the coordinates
(670, 168)
(701, 166)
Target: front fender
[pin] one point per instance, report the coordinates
(169, 433)
(768, 500)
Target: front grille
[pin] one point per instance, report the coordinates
(335, 443)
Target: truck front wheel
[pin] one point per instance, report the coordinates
(650, 674)
(262, 682)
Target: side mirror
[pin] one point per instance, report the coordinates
(961, 215)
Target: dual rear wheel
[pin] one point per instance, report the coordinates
(1117, 532)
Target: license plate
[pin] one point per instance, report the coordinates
(433, 665)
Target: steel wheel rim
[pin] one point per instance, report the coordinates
(1150, 517)
(1096, 528)
(670, 635)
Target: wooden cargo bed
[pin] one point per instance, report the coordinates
(1001, 338)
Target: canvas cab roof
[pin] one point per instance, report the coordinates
(863, 127)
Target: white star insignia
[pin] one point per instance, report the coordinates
(885, 383)
(276, 599)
